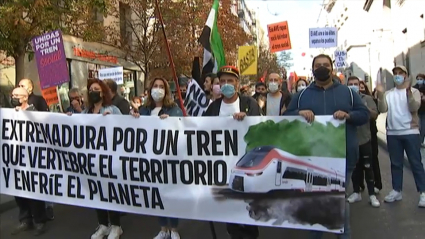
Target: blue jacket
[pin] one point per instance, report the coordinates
(174, 111)
(327, 102)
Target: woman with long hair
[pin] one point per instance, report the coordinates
(100, 102)
(160, 103)
(374, 141)
(301, 85)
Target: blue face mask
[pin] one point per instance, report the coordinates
(228, 90)
(420, 81)
(354, 88)
(398, 79)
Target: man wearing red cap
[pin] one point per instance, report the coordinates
(238, 106)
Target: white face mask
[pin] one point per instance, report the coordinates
(157, 94)
(301, 87)
(273, 87)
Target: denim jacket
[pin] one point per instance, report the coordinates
(111, 108)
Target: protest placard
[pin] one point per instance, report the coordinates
(114, 73)
(248, 172)
(325, 37)
(340, 59)
(196, 101)
(51, 60)
(279, 37)
(247, 58)
(50, 95)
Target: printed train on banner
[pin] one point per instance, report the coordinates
(249, 173)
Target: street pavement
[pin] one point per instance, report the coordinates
(400, 220)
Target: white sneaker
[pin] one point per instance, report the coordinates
(376, 190)
(421, 200)
(374, 201)
(101, 232)
(393, 196)
(115, 232)
(163, 235)
(175, 235)
(355, 197)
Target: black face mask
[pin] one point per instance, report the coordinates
(15, 102)
(95, 96)
(322, 73)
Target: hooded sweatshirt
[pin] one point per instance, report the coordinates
(328, 101)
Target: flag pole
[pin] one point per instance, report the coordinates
(170, 57)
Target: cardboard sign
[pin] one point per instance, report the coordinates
(279, 37)
(115, 73)
(51, 60)
(50, 95)
(247, 58)
(340, 59)
(325, 37)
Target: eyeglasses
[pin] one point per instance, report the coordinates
(17, 95)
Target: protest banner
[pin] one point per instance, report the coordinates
(114, 73)
(51, 60)
(340, 59)
(196, 101)
(247, 58)
(325, 37)
(279, 37)
(50, 95)
(266, 171)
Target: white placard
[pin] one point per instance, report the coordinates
(340, 59)
(196, 101)
(199, 168)
(325, 37)
(115, 73)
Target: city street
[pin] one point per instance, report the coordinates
(394, 221)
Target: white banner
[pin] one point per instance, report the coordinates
(266, 171)
(115, 73)
(325, 37)
(196, 101)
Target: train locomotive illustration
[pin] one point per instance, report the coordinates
(267, 168)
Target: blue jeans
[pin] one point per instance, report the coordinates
(347, 228)
(168, 221)
(422, 126)
(397, 144)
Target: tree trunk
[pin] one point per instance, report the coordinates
(19, 66)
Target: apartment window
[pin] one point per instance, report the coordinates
(97, 15)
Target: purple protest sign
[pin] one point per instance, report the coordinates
(51, 60)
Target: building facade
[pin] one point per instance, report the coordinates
(377, 35)
(84, 59)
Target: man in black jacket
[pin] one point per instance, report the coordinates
(234, 104)
(37, 101)
(118, 100)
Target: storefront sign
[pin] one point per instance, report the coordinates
(94, 56)
(51, 60)
(115, 73)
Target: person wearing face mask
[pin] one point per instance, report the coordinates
(301, 85)
(326, 96)
(365, 150)
(420, 85)
(276, 100)
(38, 101)
(100, 102)
(401, 104)
(237, 106)
(160, 103)
(183, 82)
(32, 213)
